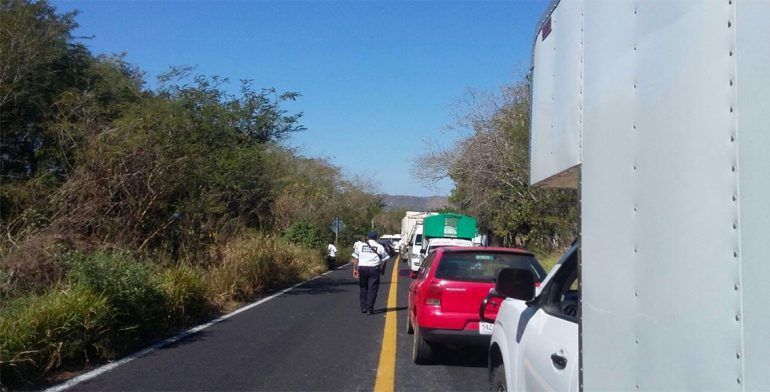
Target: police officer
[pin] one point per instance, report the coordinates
(368, 260)
(331, 255)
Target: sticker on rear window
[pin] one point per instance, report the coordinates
(484, 257)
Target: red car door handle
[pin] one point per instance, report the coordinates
(559, 362)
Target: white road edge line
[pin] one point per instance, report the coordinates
(106, 368)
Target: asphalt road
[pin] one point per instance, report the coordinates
(312, 338)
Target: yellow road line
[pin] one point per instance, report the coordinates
(386, 370)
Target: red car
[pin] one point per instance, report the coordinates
(446, 294)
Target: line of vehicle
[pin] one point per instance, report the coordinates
(386, 369)
(110, 366)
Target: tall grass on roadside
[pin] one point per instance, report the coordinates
(255, 263)
(131, 287)
(185, 292)
(42, 332)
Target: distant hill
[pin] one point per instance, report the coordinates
(414, 203)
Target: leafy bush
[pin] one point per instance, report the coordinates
(39, 333)
(130, 287)
(304, 233)
(185, 294)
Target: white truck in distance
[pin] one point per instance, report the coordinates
(408, 223)
(658, 112)
(415, 247)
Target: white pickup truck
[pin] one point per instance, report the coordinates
(534, 345)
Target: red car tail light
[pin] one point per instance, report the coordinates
(433, 295)
(494, 307)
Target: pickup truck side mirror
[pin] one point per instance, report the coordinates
(516, 283)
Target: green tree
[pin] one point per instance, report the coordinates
(38, 62)
(314, 191)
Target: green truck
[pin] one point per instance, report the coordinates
(449, 226)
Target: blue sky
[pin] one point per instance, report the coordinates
(377, 78)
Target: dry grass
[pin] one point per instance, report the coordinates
(255, 263)
(32, 265)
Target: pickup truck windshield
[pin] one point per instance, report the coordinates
(484, 267)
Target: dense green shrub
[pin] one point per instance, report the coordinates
(39, 333)
(185, 293)
(130, 286)
(304, 233)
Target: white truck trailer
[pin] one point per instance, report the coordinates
(658, 112)
(408, 223)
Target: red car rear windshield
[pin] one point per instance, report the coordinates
(484, 267)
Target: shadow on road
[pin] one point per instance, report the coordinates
(385, 310)
(465, 356)
(323, 286)
(191, 338)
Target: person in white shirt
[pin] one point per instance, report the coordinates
(369, 259)
(331, 256)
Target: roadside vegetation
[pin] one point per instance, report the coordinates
(128, 212)
(489, 166)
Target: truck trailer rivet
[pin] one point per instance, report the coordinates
(738, 355)
(731, 82)
(739, 380)
(729, 24)
(735, 254)
(732, 109)
(737, 317)
(732, 138)
(737, 287)
(637, 386)
(735, 197)
(735, 225)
